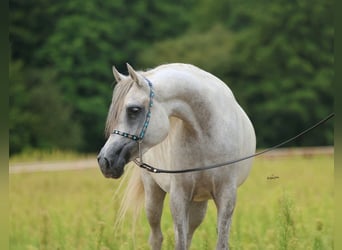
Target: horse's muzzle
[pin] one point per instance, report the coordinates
(112, 164)
(108, 170)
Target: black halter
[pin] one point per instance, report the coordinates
(140, 137)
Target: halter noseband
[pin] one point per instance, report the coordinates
(140, 137)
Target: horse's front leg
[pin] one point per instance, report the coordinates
(179, 206)
(154, 200)
(225, 200)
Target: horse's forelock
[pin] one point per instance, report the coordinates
(120, 91)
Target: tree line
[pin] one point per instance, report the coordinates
(277, 57)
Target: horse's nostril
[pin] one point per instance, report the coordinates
(103, 162)
(107, 164)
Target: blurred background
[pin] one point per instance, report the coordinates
(276, 56)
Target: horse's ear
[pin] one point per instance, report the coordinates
(117, 75)
(134, 75)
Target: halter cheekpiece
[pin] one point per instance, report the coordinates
(140, 137)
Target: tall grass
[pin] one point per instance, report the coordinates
(77, 210)
(34, 155)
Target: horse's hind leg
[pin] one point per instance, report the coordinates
(225, 200)
(197, 211)
(154, 200)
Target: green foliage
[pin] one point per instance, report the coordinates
(283, 64)
(276, 56)
(80, 41)
(216, 43)
(39, 118)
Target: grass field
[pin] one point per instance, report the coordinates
(77, 210)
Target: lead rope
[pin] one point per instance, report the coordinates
(157, 170)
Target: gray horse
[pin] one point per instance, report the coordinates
(178, 116)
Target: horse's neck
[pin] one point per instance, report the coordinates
(193, 96)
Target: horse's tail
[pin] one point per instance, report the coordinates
(133, 196)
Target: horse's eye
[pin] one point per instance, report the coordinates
(132, 112)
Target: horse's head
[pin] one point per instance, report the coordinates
(134, 117)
